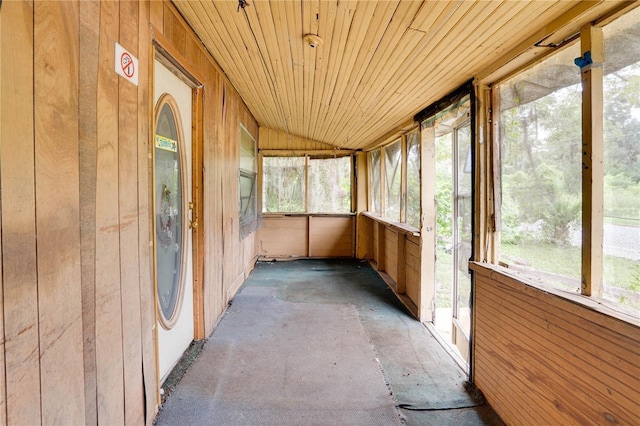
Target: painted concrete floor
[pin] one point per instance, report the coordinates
(322, 342)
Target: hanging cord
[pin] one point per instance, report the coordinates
(242, 4)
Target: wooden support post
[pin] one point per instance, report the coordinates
(592, 162)
(360, 189)
(380, 258)
(426, 303)
(496, 174)
(484, 217)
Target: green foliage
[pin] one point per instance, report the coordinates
(444, 212)
(557, 220)
(634, 283)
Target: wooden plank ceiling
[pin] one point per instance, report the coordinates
(380, 62)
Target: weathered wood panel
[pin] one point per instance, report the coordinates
(20, 366)
(277, 140)
(79, 319)
(145, 274)
(88, 82)
(108, 296)
(331, 236)
(56, 34)
(412, 265)
(128, 225)
(391, 253)
(551, 359)
(283, 237)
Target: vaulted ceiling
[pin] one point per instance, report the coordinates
(377, 62)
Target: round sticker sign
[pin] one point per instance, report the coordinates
(127, 65)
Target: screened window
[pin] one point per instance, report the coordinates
(374, 179)
(393, 176)
(283, 184)
(394, 180)
(413, 178)
(247, 177)
(330, 185)
(621, 89)
(540, 131)
(285, 181)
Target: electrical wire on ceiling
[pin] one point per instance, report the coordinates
(242, 4)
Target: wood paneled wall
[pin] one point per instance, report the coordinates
(274, 139)
(302, 235)
(543, 359)
(77, 308)
(395, 253)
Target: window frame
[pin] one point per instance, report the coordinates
(307, 157)
(247, 222)
(382, 179)
(591, 39)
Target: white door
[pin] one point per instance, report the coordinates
(172, 213)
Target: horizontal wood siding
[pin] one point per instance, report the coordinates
(540, 358)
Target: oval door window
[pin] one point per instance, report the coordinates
(169, 210)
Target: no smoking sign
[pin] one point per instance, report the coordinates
(126, 64)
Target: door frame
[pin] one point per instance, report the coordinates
(163, 51)
(457, 329)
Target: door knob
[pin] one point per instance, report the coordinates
(193, 224)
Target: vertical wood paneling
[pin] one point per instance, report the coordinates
(20, 354)
(412, 264)
(283, 237)
(156, 17)
(147, 301)
(331, 236)
(88, 81)
(57, 205)
(3, 393)
(109, 347)
(78, 321)
(273, 139)
(390, 250)
(128, 224)
(211, 209)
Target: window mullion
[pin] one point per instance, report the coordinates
(403, 179)
(383, 182)
(306, 184)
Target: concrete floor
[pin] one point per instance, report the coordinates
(322, 342)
